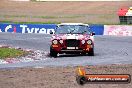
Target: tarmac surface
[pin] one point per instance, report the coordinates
(108, 50)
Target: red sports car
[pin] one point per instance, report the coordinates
(72, 38)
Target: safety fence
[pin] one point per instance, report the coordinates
(123, 30)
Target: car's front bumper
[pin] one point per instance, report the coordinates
(76, 50)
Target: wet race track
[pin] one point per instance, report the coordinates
(108, 50)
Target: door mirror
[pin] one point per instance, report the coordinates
(51, 32)
(93, 33)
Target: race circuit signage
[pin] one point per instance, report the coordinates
(41, 28)
(28, 28)
(119, 30)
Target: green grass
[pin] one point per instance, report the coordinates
(101, 16)
(43, 17)
(14, 16)
(53, 22)
(55, 17)
(33, 0)
(6, 21)
(11, 53)
(37, 1)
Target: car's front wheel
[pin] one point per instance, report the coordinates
(53, 53)
(91, 53)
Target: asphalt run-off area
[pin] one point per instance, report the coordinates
(108, 50)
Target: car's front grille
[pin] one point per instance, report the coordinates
(72, 43)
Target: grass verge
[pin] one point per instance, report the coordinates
(29, 22)
(11, 53)
(55, 22)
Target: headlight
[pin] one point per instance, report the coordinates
(89, 42)
(55, 41)
(83, 41)
(61, 41)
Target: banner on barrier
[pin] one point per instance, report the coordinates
(98, 29)
(121, 30)
(27, 28)
(41, 28)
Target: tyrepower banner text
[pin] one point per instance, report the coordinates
(27, 28)
(120, 30)
(41, 28)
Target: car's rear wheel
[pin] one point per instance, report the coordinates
(91, 53)
(53, 53)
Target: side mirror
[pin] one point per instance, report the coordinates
(93, 33)
(51, 32)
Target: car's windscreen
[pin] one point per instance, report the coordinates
(72, 29)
